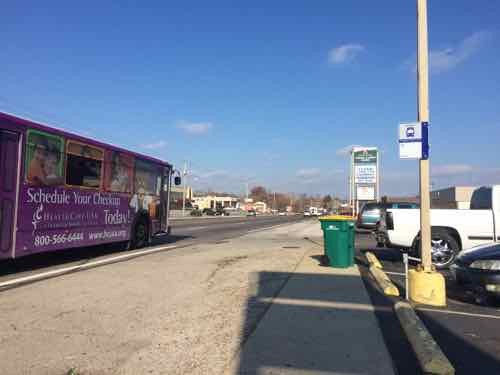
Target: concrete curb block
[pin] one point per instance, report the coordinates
(372, 259)
(384, 282)
(429, 354)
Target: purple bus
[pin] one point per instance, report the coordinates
(60, 190)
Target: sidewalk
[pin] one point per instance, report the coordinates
(321, 322)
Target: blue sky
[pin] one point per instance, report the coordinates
(264, 92)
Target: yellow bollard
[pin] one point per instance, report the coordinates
(427, 288)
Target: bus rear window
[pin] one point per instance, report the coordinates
(84, 165)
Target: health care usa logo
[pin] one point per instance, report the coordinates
(62, 197)
(365, 156)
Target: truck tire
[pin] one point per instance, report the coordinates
(444, 248)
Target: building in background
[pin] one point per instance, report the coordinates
(215, 202)
(176, 196)
(457, 197)
(399, 199)
(260, 207)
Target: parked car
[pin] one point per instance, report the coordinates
(451, 231)
(372, 212)
(231, 211)
(282, 213)
(307, 213)
(209, 212)
(221, 212)
(196, 212)
(315, 211)
(251, 213)
(478, 269)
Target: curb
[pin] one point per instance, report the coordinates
(384, 282)
(25, 280)
(372, 259)
(429, 354)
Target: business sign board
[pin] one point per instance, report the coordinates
(365, 174)
(365, 156)
(365, 193)
(414, 141)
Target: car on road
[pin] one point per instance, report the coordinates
(221, 212)
(315, 211)
(282, 213)
(251, 213)
(209, 212)
(452, 230)
(196, 212)
(478, 270)
(307, 213)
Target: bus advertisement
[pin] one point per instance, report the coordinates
(59, 190)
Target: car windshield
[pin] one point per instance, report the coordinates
(370, 207)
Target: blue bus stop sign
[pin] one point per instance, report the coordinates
(414, 141)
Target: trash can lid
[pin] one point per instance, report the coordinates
(336, 218)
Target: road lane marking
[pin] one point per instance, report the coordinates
(198, 228)
(460, 313)
(81, 267)
(271, 227)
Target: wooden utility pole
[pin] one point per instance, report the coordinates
(423, 116)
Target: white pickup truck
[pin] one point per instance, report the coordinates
(452, 230)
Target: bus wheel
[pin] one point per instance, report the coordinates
(139, 236)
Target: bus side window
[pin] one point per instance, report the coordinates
(119, 172)
(44, 159)
(147, 186)
(83, 165)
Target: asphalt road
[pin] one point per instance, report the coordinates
(468, 334)
(185, 232)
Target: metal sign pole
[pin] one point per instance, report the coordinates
(405, 261)
(377, 176)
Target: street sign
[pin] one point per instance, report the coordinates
(365, 156)
(365, 174)
(414, 141)
(365, 193)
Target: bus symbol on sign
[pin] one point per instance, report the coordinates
(410, 132)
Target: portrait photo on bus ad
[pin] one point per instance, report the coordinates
(119, 178)
(44, 159)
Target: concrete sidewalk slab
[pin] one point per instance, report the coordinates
(322, 322)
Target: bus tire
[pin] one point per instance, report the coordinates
(140, 235)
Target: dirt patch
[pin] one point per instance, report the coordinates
(224, 263)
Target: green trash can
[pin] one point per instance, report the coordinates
(338, 236)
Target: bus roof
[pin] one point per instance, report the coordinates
(66, 134)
